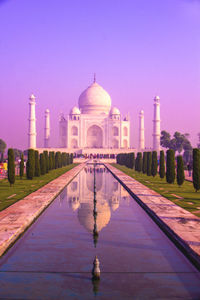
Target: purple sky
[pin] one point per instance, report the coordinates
(138, 49)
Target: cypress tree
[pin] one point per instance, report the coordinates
(37, 164)
(180, 175)
(132, 160)
(154, 164)
(139, 162)
(56, 160)
(49, 157)
(67, 159)
(53, 160)
(11, 166)
(21, 171)
(144, 163)
(170, 173)
(196, 169)
(30, 165)
(63, 159)
(47, 160)
(162, 164)
(42, 164)
(149, 162)
(59, 159)
(71, 158)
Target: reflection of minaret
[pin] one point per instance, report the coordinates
(95, 231)
(141, 130)
(156, 124)
(46, 129)
(32, 123)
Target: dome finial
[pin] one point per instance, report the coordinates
(94, 77)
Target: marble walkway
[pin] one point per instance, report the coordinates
(180, 225)
(15, 219)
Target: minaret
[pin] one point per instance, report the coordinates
(32, 123)
(47, 129)
(141, 130)
(156, 124)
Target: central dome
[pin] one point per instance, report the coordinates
(94, 100)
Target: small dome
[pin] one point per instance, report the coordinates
(32, 97)
(141, 112)
(75, 111)
(157, 99)
(115, 111)
(94, 100)
(47, 111)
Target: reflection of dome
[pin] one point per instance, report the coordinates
(115, 111)
(94, 100)
(75, 111)
(86, 218)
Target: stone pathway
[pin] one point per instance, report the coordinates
(15, 219)
(180, 225)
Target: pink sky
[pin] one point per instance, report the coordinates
(138, 49)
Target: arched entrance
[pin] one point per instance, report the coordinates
(94, 137)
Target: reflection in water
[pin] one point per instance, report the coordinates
(107, 194)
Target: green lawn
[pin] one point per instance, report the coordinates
(190, 199)
(24, 187)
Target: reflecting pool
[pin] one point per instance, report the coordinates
(95, 216)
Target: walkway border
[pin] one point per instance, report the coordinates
(17, 218)
(182, 227)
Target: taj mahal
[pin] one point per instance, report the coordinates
(94, 126)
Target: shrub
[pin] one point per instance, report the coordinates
(162, 164)
(196, 169)
(138, 162)
(11, 166)
(149, 161)
(37, 164)
(144, 163)
(132, 160)
(21, 171)
(170, 173)
(180, 175)
(47, 160)
(154, 164)
(30, 165)
(42, 164)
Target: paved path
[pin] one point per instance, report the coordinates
(15, 219)
(180, 225)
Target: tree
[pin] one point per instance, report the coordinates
(37, 164)
(162, 164)
(42, 164)
(50, 160)
(11, 166)
(187, 155)
(2, 148)
(165, 139)
(71, 158)
(144, 163)
(132, 160)
(68, 159)
(47, 160)
(170, 172)
(180, 175)
(30, 165)
(139, 168)
(21, 172)
(154, 164)
(17, 153)
(149, 161)
(196, 169)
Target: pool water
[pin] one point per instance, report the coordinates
(54, 258)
